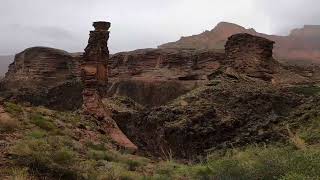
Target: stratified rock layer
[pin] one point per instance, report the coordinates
(251, 55)
(40, 75)
(154, 77)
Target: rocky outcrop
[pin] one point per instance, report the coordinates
(94, 69)
(139, 62)
(300, 45)
(39, 72)
(251, 55)
(94, 77)
(154, 77)
(225, 115)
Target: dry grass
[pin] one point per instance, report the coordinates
(7, 124)
(296, 140)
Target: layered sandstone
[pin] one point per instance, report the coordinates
(153, 77)
(251, 55)
(40, 75)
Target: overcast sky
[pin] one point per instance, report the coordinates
(65, 24)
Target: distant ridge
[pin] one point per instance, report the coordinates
(301, 44)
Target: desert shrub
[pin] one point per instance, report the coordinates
(63, 156)
(263, 163)
(251, 163)
(171, 170)
(42, 122)
(13, 109)
(307, 90)
(8, 124)
(72, 118)
(20, 174)
(37, 134)
(133, 165)
(118, 172)
(311, 131)
(129, 175)
(99, 155)
(295, 176)
(46, 155)
(99, 146)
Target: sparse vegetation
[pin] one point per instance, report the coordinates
(19, 174)
(12, 108)
(42, 122)
(8, 124)
(250, 163)
(307, 90)
(310, 133)
(43, 152)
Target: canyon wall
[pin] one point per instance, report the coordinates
(46, 76)
(301, 45)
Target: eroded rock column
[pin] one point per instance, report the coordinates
(94, 75)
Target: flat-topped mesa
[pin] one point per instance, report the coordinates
(95, 58)
(251, 55)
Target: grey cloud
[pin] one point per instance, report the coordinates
(65, 24)
(284, 15)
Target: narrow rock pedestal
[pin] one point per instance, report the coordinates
(94, 75)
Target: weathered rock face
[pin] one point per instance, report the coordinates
(94, 77)
(38, 73)
(179, 61)
(153, 77)
(228, 114)
(251, 55)
(94, 68)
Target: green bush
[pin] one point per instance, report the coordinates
(171, 170)
(265, 163)
(133, 165)
(63, 156)
(99, 147)
(13, 109)
(37, 134)
(99, 155)
(311, 131)
(42, 122)
(46, 155)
